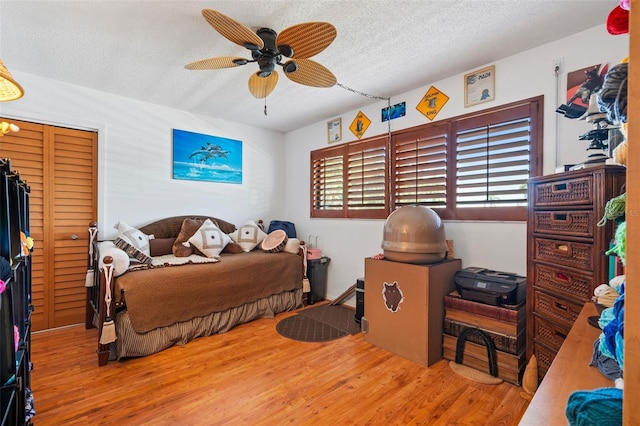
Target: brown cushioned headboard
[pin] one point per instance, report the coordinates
(170, 226)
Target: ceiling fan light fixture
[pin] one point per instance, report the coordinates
(285, 50)
(290, 67)
(10, 90)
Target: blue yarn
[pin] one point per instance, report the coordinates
(614, 331)
(601, 407)
(606, 317)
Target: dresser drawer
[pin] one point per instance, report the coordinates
(578, 223)
(559, 280)
(568, 191)
(549, 333)
(560, 311)
(567, 253)
(544, 358)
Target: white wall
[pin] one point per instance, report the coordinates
(135, 156)
(495, 245)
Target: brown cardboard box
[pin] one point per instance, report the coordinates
(404, 307)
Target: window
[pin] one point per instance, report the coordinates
(355, 172)
(473, 167)
(419, 167)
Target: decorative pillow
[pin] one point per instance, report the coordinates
(120, 258)
(181, 246)
(133, 236)
(209, 239)
(132, 251)
(161, 246)
(248, 236)
(233, 248)
(275, 241)
(292, 246)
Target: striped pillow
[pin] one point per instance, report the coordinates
(132, 251)
(133, 236)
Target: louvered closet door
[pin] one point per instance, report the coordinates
(60, 167)
(25, 149)
(71, 207)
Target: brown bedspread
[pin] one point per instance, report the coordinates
(160, 297)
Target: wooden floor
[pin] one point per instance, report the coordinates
(252, 375)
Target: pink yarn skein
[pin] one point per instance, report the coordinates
(3, 286)
(16, 337)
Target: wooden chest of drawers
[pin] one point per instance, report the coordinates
(566, 252)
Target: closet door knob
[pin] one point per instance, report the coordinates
(74, 237)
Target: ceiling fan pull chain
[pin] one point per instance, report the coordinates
(265, 106)
(357, 92)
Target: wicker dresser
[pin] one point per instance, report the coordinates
(566, 252)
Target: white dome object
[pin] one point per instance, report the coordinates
(414, 234)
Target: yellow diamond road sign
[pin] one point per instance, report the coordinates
(432, 102)
(360, 125)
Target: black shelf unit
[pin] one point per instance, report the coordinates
(16, 399)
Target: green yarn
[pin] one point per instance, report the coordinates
(614, 208)
(620, 248)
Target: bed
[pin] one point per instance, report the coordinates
(152, 305)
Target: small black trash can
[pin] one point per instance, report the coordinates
(359, 299)
(317, 274)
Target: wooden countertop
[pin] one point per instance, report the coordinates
(569, 371)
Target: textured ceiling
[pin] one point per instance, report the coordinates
(138, 49)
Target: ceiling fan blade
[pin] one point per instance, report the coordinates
(261, 87)
(216, 63)
(231, 29)
(311, 73)
(307, 39)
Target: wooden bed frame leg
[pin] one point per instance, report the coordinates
(88, 310)
(103, 355)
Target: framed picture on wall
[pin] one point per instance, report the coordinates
(197, 156)
(479, 86)
(334, 130)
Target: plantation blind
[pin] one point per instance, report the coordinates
(367, 179)
(419, 167)
(493, 159)
(327, 198)
(471, 167)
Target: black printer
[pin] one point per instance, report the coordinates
(490, 287)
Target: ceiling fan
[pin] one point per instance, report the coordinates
(268, 48)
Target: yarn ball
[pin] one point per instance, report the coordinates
(612, 97)
(16, 337)
(618, 21)
(3, 286)
(620, 248)
(614, 209)
(612, 338)
(602, 407)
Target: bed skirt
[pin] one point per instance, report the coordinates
(133, 344)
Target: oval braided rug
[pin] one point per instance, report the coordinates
(319, 324)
